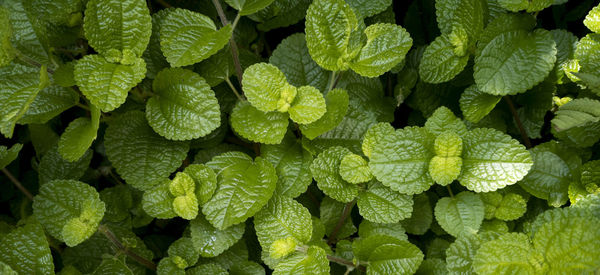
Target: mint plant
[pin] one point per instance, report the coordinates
(299, 137)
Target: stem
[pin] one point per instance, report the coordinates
(30, 61)
(234, 49)
(347, 210)
(235, 91)
(236, 21)
(115, 241)
(164, 3)
(450, 191)
(331, 81)
(511, 106)
(18, 184)
(82, 106)
(345, 262)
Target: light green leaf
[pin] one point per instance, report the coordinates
(368, 229)
(313, 262)
(401, 160)
(354, 169)
(188, 37)
(292, 164)
(443, 119)
(446, 165)
(210, 241)
(460, 14)
(26, 250)
(492, 160)
(476, 104)
(363, 247)
(592, 20)
(69, 210)
(53, 166)
(381, 205)
(141, 156)
(184, 252)
(491, 257)
(19, 86)
(555, 166)
(79, 135)
(246, 7)
(403, 258)
(185, 203)
(117, 25)
(244, 187)
(107, 84)
(308, 105)
(205, 181)
(258, 126)
(282, 218)
(267, 89)
(325, 170)
(337, 106)
(7, 52)
(292, 58)
(507, 207)
(461, 214)
(374, 135)
(330, 25)
(6, 269)
(157, 201)
(440, 63)
(183, 106)
(578, 122)
(386, 46)
(50, 102)
(460, 254)
(502, 69)
(422, 216)
(8, 155)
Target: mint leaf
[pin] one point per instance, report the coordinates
(476, 104)
(33, 258)
(252, 124)
(246, 7)
(395, 258)
(292, 164)
(492, 257)
(267, 89)
(7, 155)
(49, 103)
(205, 181)
(337, 106)
(313, 262)
(592, 20)
(381, 205)
(308, 106)
(325, 170)
(7, 52)
(442, 120)
(79, 135)
(210, 241)
(440, 62)
(354, 169)
(578, 122)
(53, 166)
(461, 214)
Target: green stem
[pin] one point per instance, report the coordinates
(235, 91)
(232, 44)
(82, 106)
(115, 241)
(236, 21)
(450, 191)
(331, 81)
(17, 183)
(515, 115)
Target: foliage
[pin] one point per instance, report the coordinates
(299, 137)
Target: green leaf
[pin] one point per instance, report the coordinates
(461, 253)
(184, 251)
(157, 201)
(8, 155)
(106, 84)
(205, 181)
(354, 169)
(529, 5)
(112, 265)
(308, 105)
(330, 25)
(491, 257)
(7, 52)
(79, 135)
(246, 7)
(258, 126)
(247, 268)
(403, 258)
(210, 268)
(502, 69)
(476, 104)
(422, 216)
(386, 46)
(267, 89)
(492, 160)
(443, 119)
(188, 37)
(141, 156)
(592, 20)
(26, 250)
(374, 135)
(578, 122)
(119, 201)
(29, 33)
(460, 14)
(507, 207)
(368, 229)
(292, 58)
(446, 165)
(314, 262)
(325, 170)
(331, 211)
(555, 166)
(368, 8)
(19, 86)
(6, 269)
(440, 63)
(183, 106)
(69, 210)
(292, 164)
(363, 248)
(117, 25)
(401, 160)
(217, 68)
(337, 106)
(155, 60)
(210, 241)
(282, 218)
(185, 203)
(53, 166)
(461, 214)
(244, 187)
(50, 102)
(381, 205)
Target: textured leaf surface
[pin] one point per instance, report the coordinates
(258, 126)
(422, 216)
(514, 62)
(265, 86)
(308, 105)
(107, 84)
(400, 161)
(386, 46)
(292, 164)
(244, 187)
(578, 122)
(141, 156)
(314, 262)
(403, 258)
(205, 181)
(210, 241)
(26, 250)
(442, 120)
(188, 37)
(446, 165)
(369, 8)
(50, 102)
(7, 155)
(476, 104)
(157, 201)
(7, 52)
(461, 214)
(381, 205)
(492, 160)
(325, 170)
(374, 135)
(354, 169)
(54, 167)
(337, 106)
(79, 135)
(246, 7)
(330, 211)
(440, 63)
(592, 20)
(491, 257)
(69, 210)
(183, 106)
(460, 254)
